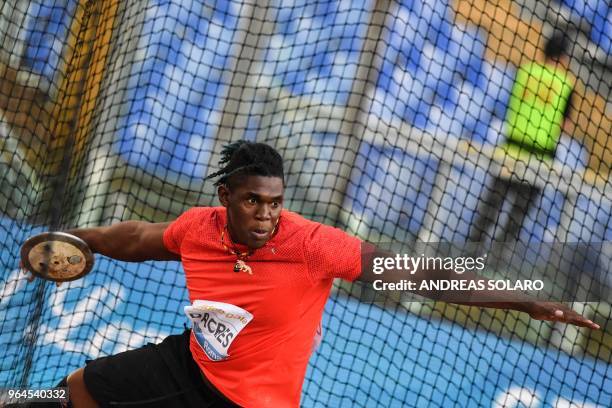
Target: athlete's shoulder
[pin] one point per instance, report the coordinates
(191, 224)
(201, 215)
(297, 225)
(295, 222)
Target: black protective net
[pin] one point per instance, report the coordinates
(395, 123)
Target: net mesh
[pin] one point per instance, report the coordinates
(392, 118)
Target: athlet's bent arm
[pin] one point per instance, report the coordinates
(132, 241)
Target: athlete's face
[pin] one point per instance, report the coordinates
(253, 205)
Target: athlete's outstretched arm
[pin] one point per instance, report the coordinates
(498, 299)
(132, 241)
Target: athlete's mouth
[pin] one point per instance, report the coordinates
(260, 233)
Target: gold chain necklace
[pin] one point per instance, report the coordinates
(240, 265)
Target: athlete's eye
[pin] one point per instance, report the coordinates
(275, 204)
(252, 200)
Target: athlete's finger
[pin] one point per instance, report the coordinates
(571, 317)
(582, 321)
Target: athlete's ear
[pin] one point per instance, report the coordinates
(223, 193)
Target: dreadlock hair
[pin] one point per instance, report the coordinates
(248, 159)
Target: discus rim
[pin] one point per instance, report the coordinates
(57, 236)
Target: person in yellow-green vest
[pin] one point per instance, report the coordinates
(540, 103)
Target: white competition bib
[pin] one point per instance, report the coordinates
(216, 325)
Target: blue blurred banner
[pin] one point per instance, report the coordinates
(179, 80)
(46, 35)
(177, 85)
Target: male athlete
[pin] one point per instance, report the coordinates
(258, 278)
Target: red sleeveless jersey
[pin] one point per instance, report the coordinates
(253, 334)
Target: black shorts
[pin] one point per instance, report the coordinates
(155, 375)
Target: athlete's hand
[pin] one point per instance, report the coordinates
(558, 312)
(30, 276)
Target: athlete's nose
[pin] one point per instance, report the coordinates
(264, 212)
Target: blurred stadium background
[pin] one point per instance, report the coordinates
(389, 114)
